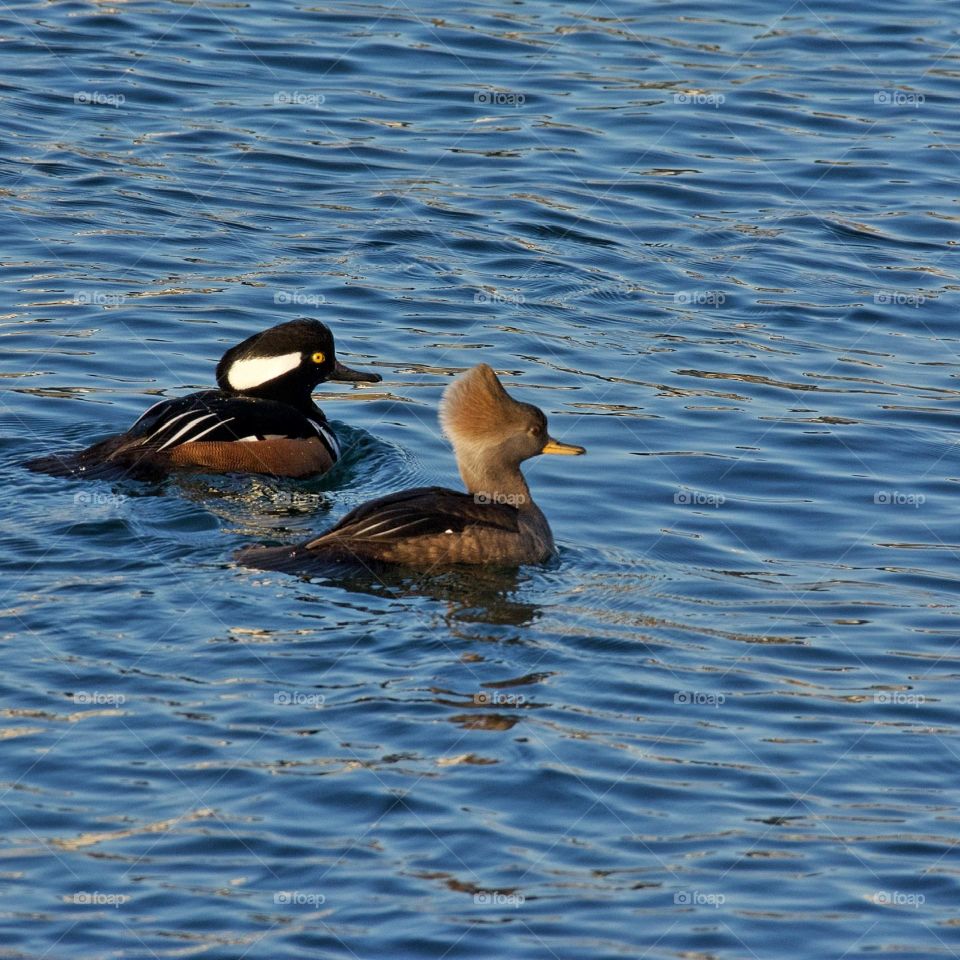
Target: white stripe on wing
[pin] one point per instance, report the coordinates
(324, 431)
(219, 423)
(148, 411)
(168, 423)
(186, 429)
(364, 532)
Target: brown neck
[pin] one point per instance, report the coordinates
(498, 483)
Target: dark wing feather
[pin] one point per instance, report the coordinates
(416, 513)
(210, 415)
(374, 531)
(216, 416)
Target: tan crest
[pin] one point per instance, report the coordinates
(476, 405)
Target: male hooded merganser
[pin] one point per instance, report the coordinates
(494, 522)
(261, 420)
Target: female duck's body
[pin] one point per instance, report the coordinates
(494, 522)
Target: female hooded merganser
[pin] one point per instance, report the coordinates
(261, 420)
(494, 522)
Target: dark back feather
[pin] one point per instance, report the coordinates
(421, 511)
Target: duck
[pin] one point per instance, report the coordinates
(494, 521)
(261, 419)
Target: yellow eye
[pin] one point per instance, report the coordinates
(318, 357)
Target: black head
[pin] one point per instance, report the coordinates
(285, 363)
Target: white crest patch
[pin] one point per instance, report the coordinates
(255, 371)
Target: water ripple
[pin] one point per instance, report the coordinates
(718, 251)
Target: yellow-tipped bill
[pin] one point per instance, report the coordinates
(562, 449)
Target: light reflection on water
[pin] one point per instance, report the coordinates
(720, 723)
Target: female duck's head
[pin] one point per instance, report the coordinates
(491, 432)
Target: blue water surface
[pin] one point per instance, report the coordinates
(717, 243)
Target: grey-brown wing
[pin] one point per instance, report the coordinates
(418, 512)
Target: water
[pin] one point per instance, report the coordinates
(717, 244)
